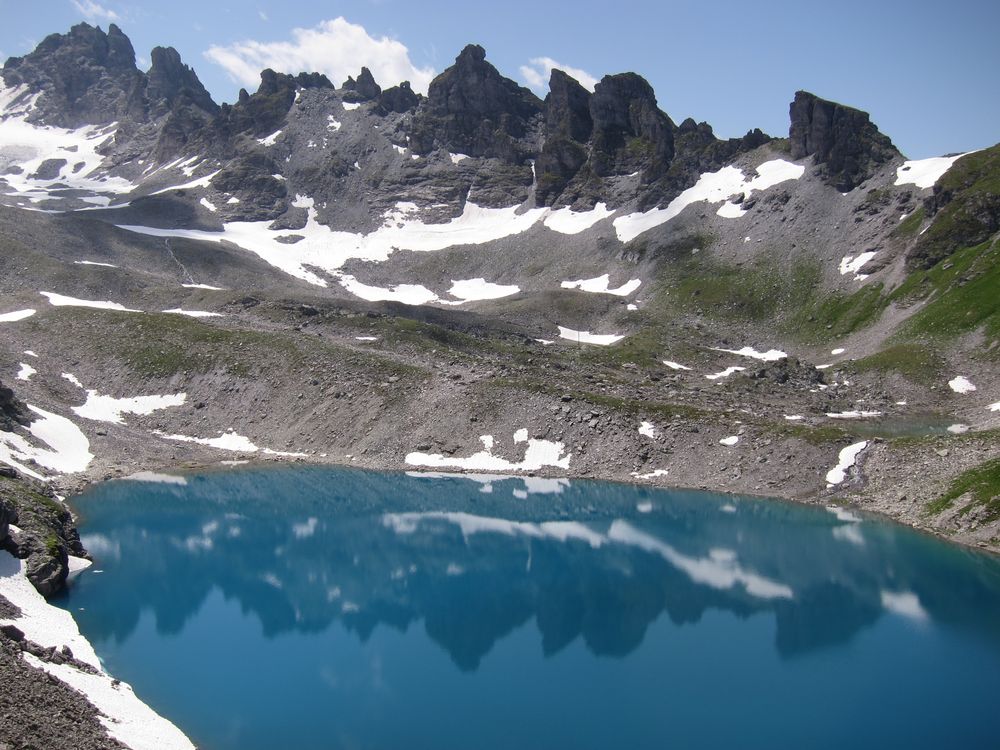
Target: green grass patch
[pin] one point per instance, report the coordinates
(966, 294)
(834, 314)
(982, 481)
(916, 362)
(909, 226)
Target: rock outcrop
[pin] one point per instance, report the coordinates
(841, 139)
(364, 89)
(13, 411)
(471, 109)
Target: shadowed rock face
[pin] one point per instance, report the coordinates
(630, 132)
(88, 77)
(13, 411)
(472, 109)
(170, 83)
(840, 138)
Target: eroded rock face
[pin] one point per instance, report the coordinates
(568, 127)
(364, 89)
(630, 132)
(171, 83)
(473, 110)
(399, 98)
(841, 139)
(87, 76)
(13, 411)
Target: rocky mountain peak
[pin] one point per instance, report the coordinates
(472, 109)
(630, 131)
(169, 80)
(86, 76)
(840, 138)
(363, 89)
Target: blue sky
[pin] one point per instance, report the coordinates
(926, 71)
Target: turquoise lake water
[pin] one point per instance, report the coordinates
(321, 608)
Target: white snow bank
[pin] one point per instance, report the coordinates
(651, 475)
(539, 453)
(469, 290)
(853, 414)
(958, 429)
(771, 355)
(846, 460)
(719, 570)
(648, 429)
(407, 294)
(193, 313)
(725, 373)
(73, 379)
(93, 263)
(712, 187)
(731, 440)
(208, 204)
(203, 286)
(586, 337)
(925, 172)
(25, 372)
(68, 448)
(793, 417)
(229, 441)
(853, 264)
(837, 351)
(961, 384)
(100, 408)
(269, 140)
(600, 285)
(60, 300)
(674, 365)
(994, 407)
(350, 106)
(127, 718)
(328, 250)
(16, 315)
(565, 221)
(457, 158)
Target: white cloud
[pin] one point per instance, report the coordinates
(94, 11)
(536, 74)
(337, 48)
(263, 15)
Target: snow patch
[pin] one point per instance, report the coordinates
(567, 221)
(208, 204)
(961, 384)
(539, 453)
(59, 300)
(269, 140)
(586, 337)
(651, 475)
(68, 449)
(924, 173)
(712, 187)
(771, 355)
(648, 429)
(725, 373)
(16, 315)
(674, 365)
(846, 460)
(350, 106)
(457, 158)
(93, 263)
(470, 290)
(854, 263)
(100, 408)
(731, 440)
(193, 313)
(600, 285)
(853, 414)
(25, 372)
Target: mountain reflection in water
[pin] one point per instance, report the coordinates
(477, 560)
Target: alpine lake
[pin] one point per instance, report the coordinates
(289, 607)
